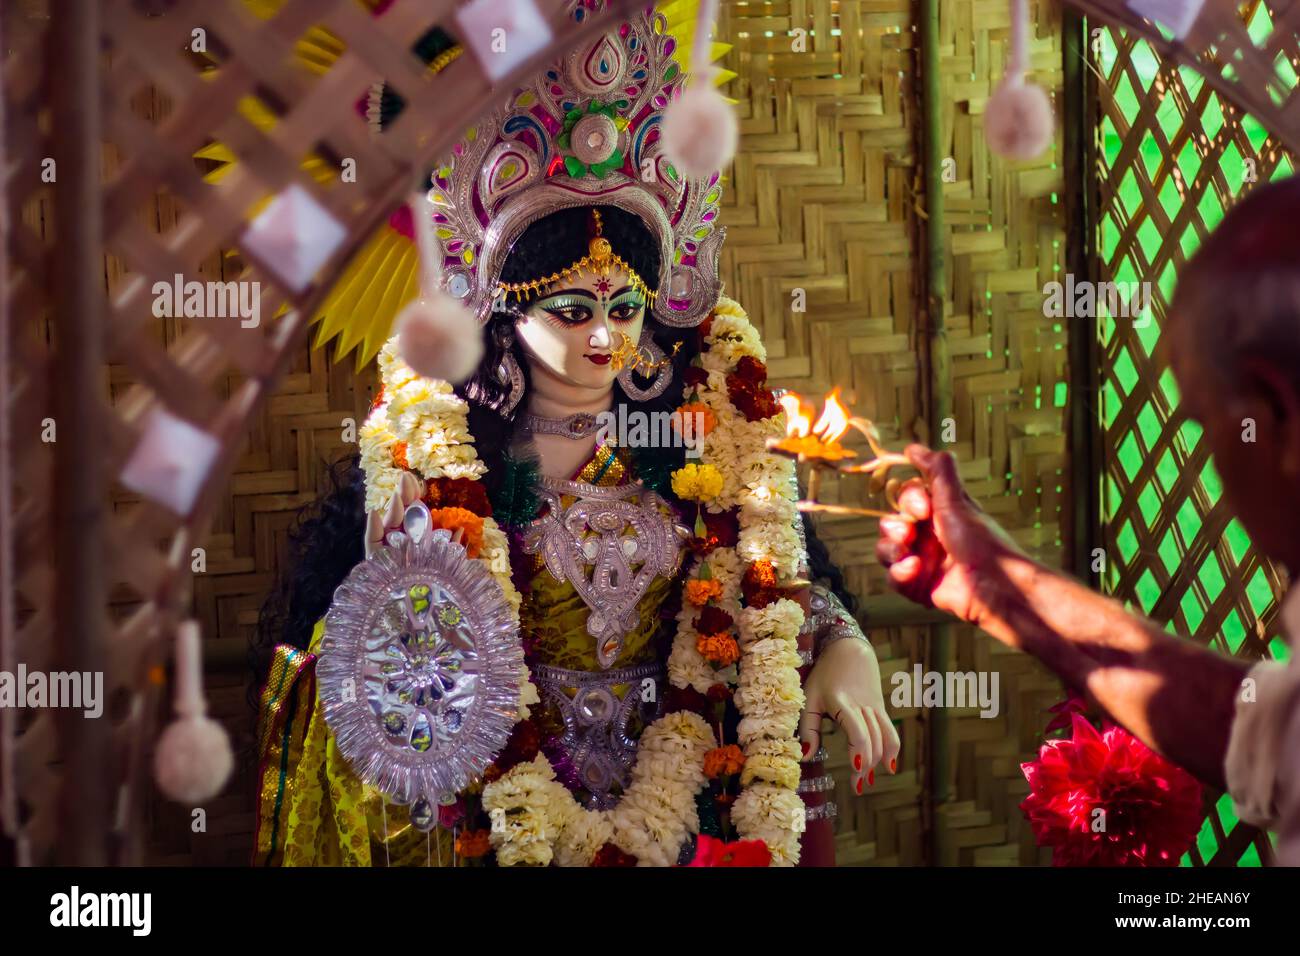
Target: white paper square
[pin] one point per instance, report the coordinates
(294, 236)
(1177, 15)
(170, 461)
(502, 33)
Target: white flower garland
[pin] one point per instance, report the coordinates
(768, 694)
(536, 820)
(411, 409)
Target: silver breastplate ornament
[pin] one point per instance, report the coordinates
(610, 543)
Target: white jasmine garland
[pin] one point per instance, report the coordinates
(542, 821)
(768, 693)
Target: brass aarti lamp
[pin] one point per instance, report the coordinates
(818, 446)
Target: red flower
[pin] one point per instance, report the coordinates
(687, 698)
(755, 402)
(458, 493)
(759, 584)
(713, 620)
(522, 746)
(710, 851)
(610, 855)
(751, 371)
(722, 530)
(1106, 799)
(718, 693)
(451, 814)
(1074, 704)
(695, 376)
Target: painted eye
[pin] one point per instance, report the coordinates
(625, 312)
(570, 314)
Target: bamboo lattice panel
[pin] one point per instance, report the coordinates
(1007, 224)
(823, 197)
(1174, 156)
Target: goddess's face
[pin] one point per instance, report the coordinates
(570, 333)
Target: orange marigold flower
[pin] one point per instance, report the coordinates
(723, 761)
(399, 456)
(472, 844)
(705, 423)
(454, 519)
(700, 592)
(718, 649)
(759, 584)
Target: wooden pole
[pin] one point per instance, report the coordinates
(938, 379)
(80, 493)
(8, 613)
(1085, 433)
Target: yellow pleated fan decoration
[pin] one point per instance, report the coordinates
(382, 277)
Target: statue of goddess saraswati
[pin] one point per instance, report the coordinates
(605, 471)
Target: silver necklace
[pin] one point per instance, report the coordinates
(574, 427)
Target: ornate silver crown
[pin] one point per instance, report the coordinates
(584, 132)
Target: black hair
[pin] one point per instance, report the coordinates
(326, 541)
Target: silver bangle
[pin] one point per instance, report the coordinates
(816, 784)
(827, 811)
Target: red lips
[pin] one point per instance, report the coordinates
(598, 359)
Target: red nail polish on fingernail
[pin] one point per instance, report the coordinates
(806, 747)
(893, 765)
(859, 784)
(857, 762)
(871, 778)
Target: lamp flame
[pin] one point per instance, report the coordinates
(798, 415)
(834, 420)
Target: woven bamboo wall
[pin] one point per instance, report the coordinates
(823, 197)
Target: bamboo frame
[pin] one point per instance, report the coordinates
(937, 368)
(80, 489)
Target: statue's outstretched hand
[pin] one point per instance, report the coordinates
(389, 518)
(844, 685)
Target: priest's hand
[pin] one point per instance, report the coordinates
(943, 551)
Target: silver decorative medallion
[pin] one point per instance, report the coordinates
(419, 669)
(610, 543)
(596, 733)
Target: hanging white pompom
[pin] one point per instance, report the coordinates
(438, 338)
(193, 759)
(700, 132)
(436, 335)
(699, 128)
(1018, 120)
